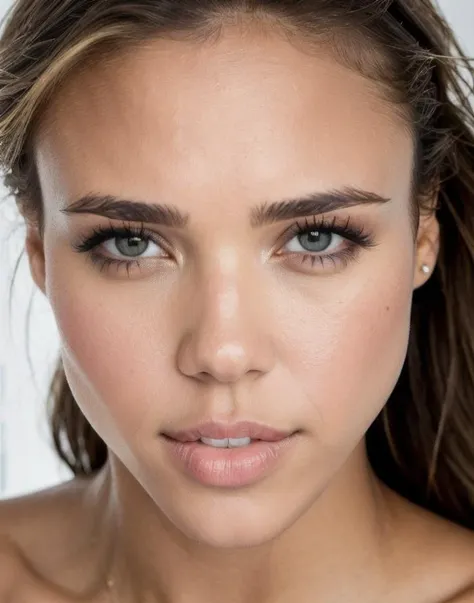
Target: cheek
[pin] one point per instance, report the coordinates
(350, 361)
(114, 363)
(349, 339)
(343, 346)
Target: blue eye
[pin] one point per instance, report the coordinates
(322, 241)
(134, 243)
(317, 242)
(133, 247)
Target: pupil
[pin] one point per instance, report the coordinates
(131, 246)
(318, 241)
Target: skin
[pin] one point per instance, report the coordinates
(220, 326)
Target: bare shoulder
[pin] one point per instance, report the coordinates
(464, 595)
(26, 518)
(437, 556)
(11, 568)
(26, 524)
(452, 555)
(467, 596)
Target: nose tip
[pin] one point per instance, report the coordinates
(227, 363)
(229, 334)
(207, 359)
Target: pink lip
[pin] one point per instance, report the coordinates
(228, 467)
(218, 431)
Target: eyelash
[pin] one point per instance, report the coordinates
(357, 237)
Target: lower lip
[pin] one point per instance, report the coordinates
(228, 467)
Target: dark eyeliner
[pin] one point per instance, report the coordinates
(356, 234)
(104, 233)
(100, 234)
(358, 238)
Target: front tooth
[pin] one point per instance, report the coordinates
(227, 442)
(216, 443)
(239, 442)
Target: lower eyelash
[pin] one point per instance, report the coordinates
(344, 257)
(356, 235)
(101, 234)
(105, 263)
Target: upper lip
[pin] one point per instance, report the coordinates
(219, 431)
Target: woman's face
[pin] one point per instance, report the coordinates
(223, 317)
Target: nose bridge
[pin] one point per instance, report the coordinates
(227, 337)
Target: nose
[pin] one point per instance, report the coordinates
(230, 336)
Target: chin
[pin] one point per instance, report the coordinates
(233, 520)
(225, 533)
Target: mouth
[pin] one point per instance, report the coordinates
(227, 442)
(228, 456)
(236, 434)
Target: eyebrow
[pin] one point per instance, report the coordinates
(116, 208)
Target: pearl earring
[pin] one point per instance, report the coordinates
(425, 268)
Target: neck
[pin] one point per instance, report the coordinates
(346, 533)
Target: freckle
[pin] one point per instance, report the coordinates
(387, 308)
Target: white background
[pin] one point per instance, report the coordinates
(27, 460)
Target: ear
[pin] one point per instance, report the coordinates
(35, 252)
(427, 247)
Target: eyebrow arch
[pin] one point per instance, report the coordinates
(113, 207)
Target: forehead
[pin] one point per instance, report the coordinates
(241, 113)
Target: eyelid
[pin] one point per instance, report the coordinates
(335, 225)
(356, 235)
(102, 234)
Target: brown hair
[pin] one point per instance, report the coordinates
(422, 443)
